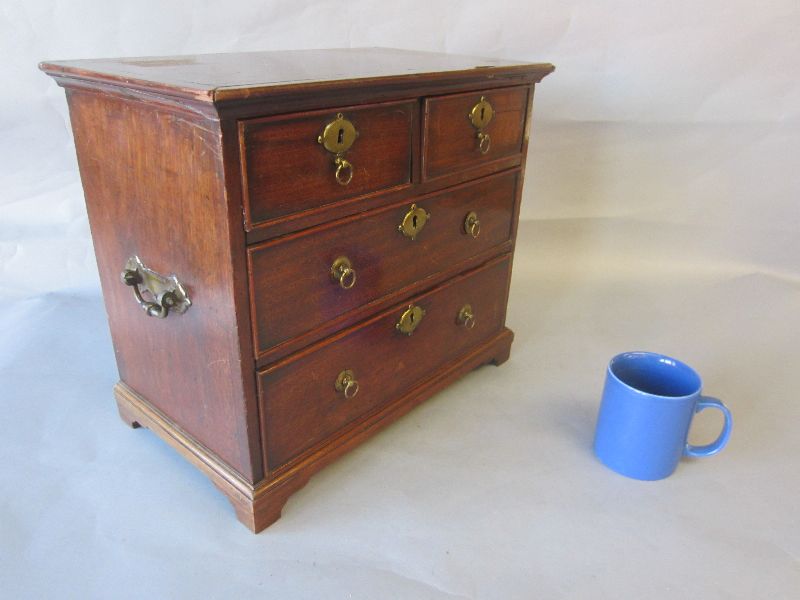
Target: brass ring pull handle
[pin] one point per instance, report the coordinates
(337, 137)
(346, 384)
(484, 142)
(342, 271)
(479, 116)
(466, 317)
(167, 292)
(472, 224)
(344, 171)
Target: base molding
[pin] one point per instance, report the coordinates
(259, 505)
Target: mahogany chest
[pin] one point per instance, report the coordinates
(296, 248)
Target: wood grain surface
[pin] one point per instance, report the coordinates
(208, 168)
(287, 171)
(449, 139)
(300, 405)
(292, 289)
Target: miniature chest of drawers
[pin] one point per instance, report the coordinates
(296, 248)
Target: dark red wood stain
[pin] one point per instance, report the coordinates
(208, 167)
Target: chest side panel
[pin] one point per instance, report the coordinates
(154, 188)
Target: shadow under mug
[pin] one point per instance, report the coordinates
(648, 404)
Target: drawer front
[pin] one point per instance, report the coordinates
(298, 162)
(295, 288)
(461, 131)
(300, 402)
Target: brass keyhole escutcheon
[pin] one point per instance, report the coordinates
(338, 135)
(414, 221)
(346, 383)
(481, 113)
(466, 317)
(472, 224)
(410, 319)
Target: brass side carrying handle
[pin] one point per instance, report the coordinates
(342, 271)
(472, 224)
(466, 317)
(336, 138)
(166, 293)
(346, 383)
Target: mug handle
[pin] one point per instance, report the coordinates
(714, 447)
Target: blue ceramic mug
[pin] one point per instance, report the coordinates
(645, 414)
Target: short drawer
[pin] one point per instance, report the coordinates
(466, 130)
(296, 286)
(307, 399)
(294, 163)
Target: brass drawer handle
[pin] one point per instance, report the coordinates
(346, 383)
(484, 142)
(414, 221)
(466, 317)
(472, 224)
(167, 293)
(342, 271)
(410, 319)
(337, 138)
(344, 171)
(479, 116)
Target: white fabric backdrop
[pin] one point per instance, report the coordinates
(680, 114)
(661, 210)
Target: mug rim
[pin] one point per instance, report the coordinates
(661, 358)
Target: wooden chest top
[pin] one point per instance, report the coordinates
(219, 78)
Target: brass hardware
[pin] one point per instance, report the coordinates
(166, 293)
(410, 319)
(466, 317)
(338, 135)
(472, 224)
(342, 271)
(346, 383)
(343, 166)
(479, 116)
(481, 113)
(414, 221)
(484, 142)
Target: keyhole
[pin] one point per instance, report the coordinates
(411, 317)
(483, 110)
(414, 221)
(340, 139)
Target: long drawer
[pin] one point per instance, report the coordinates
(303, 282)
(312, 395)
